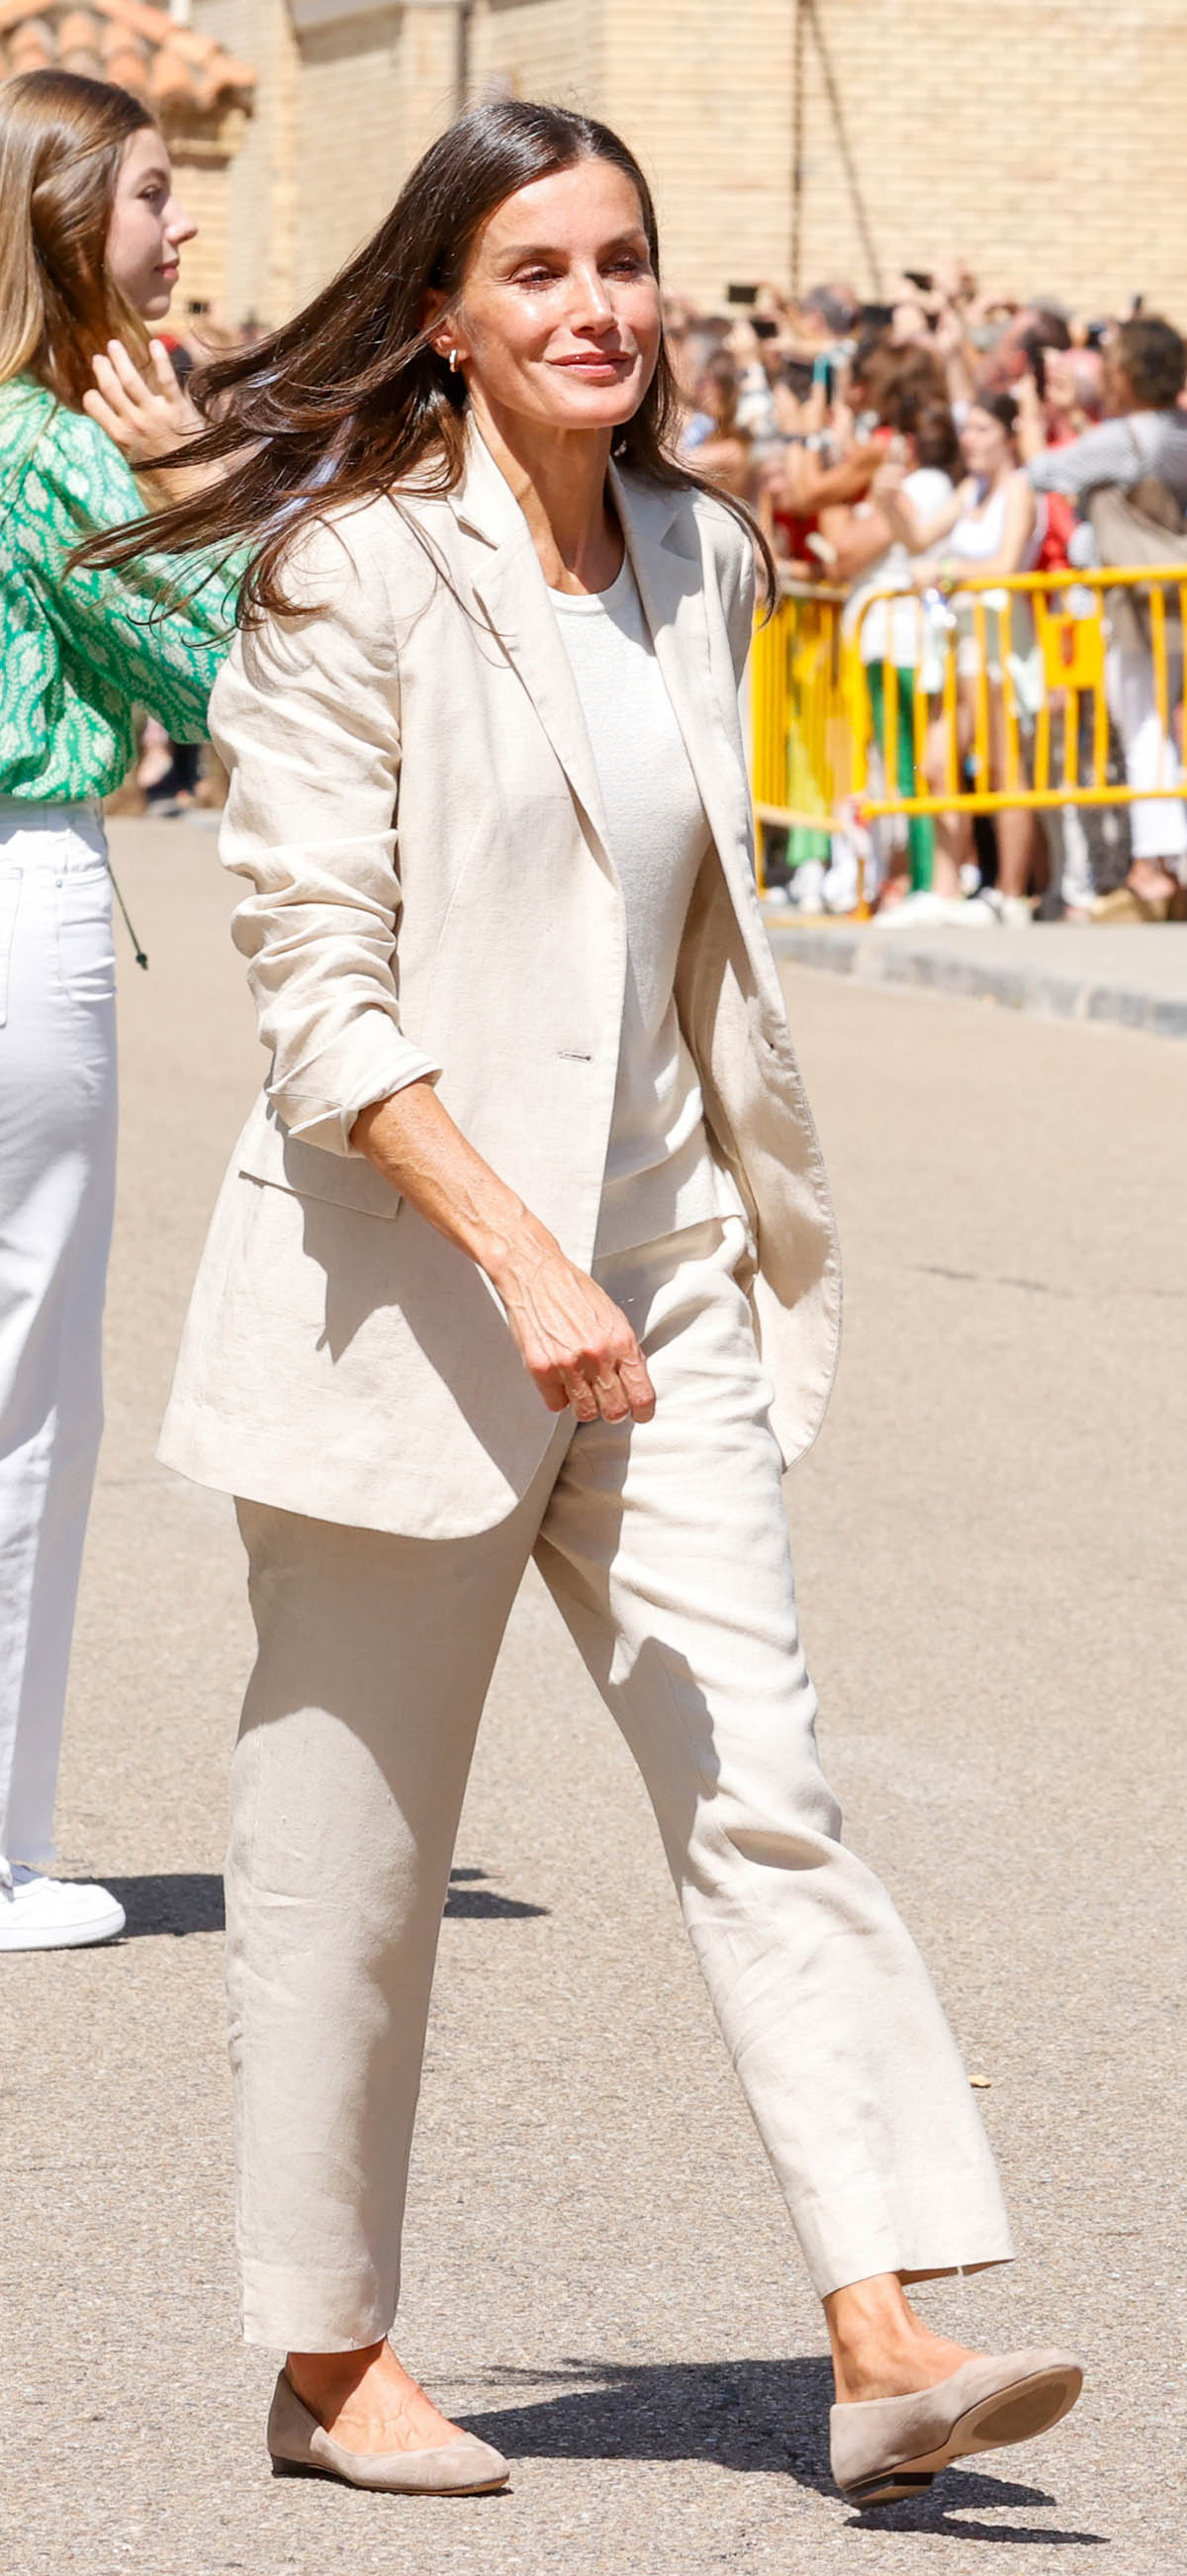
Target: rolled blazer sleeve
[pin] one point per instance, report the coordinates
(306, 716)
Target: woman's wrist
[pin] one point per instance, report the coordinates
(509, 1249)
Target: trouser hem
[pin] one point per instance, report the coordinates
(293, 2311)
(925, 2234)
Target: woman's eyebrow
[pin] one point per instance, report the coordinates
(562, 250)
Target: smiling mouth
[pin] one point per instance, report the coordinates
(594, 366)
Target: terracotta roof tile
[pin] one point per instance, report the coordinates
(130, 41)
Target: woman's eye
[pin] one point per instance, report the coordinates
(534, 277)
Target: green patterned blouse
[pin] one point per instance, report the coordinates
(80, 650)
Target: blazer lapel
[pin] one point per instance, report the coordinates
(658, 528)
(506, 578)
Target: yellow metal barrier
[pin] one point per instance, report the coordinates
(989, 667)
(801, 738)
(1007, 690)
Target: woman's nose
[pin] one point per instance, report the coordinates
(178, 224)
(591, 300)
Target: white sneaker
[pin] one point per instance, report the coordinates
(1001, 911)
(38, 1913)
(921, 911)
(807, 886)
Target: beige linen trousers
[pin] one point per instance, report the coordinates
(664, 1545)
(414, 804)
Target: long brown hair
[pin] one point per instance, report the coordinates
(350, 399)
(62, 139)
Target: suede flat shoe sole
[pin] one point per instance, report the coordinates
(301, 2447)
(884, 2448)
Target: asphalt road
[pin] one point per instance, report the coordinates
(601, 2276)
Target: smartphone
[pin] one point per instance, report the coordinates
(741, 295)
(765, 327)
(920, 277)
(797, 376)
(1036, 359)
(876, 317)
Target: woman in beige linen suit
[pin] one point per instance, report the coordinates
(526, 1250)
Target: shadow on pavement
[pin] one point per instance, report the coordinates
(743, 2415)
(177, 1902)
(474, 1904)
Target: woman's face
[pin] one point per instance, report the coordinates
(147, 226)
(558, 322)
(985, 444)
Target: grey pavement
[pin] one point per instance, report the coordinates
(1133, 975)
(600, 2273)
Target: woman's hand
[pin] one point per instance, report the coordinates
(146, 421)
(892, 471)
(575, 1343)
(1032, 417)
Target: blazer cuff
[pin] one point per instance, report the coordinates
(328, 1124)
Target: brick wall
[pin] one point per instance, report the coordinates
(259, 230)
(548, 49)
(702, 92)
(349, 139)
(201, 184)
(1042, 138)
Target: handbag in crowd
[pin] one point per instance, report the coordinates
(1139, 524)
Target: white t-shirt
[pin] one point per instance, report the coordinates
(660, 1174)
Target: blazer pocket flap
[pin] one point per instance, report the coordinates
(268, 1153)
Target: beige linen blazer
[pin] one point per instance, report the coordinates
(415, 807)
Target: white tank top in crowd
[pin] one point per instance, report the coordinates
(660, 1174)
(977, 537)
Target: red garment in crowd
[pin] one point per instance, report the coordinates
(1061, 519)
(794, 533)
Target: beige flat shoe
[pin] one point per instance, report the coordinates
(1126, 904)
(884, 2448)
(301, 2447)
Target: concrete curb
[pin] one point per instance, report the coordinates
(884, 957)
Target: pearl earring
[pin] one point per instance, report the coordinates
(453, 362)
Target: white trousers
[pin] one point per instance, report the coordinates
(57, 1191)
(1158, 824)
(665, 1546)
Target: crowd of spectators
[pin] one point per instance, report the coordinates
(947, 431)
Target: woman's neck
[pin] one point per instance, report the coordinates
(560, 480)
